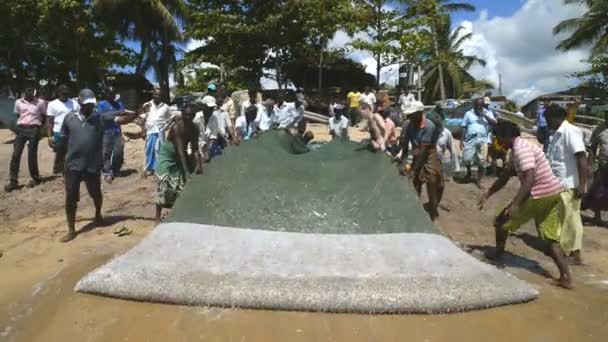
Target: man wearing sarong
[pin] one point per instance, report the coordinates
(538, 198)
(157, 116)
(422, 133)
(597, 197)
(173, 166)
(568, 158)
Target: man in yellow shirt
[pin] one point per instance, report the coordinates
(354, 101)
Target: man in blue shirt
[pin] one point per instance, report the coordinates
(113, 145)
(477, 128)
(542, 133)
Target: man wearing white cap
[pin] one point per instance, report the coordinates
(157, 115)
(422, 134)
(83, 134)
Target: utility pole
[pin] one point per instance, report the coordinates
(419, 83)
(500, 84)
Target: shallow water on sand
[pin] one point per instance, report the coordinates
(53, 312)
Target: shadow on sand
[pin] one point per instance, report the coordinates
(511, 260)
(107, 222)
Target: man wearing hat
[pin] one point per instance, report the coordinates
(422, 134)
(83, 134)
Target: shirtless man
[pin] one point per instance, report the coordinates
(173, 167)
(375, 124)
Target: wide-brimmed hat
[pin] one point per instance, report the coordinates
(209, 101)
(413, 107)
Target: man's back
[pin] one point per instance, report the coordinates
(528, 156)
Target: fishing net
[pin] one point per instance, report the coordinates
(272, 226)
(335, 188)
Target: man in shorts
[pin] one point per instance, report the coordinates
(538, 198)
(82, 132)
(477, 127)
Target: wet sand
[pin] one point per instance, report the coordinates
(37, 302)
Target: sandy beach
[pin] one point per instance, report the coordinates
(38, 273)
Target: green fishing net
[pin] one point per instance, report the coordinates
(269, 183)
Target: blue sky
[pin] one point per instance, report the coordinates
(500, 8)
(515, 38)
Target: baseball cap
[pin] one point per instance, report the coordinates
(414, 107)
(87, 96)
(212, 87)
(209, 101)
(486, 100)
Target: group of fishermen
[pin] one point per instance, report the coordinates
(87, 139)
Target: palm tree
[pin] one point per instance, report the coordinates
(436, 11)
(591, 28)
(155, 23)
(447, 69)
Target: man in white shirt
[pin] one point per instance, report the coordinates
(338, 126)
(369, 97)
(219, 128)
(245, 126)
(568, 159)
(406, 99)
(266, 115)
(289, 113)
(157, 116)
(56, 112)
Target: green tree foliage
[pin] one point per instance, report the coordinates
(452, 63)
(57, 41)
(382, 26)
(251, 36)
(589, 29)
(156, 24)
(597, 74)
(435, 12)
(338, 72)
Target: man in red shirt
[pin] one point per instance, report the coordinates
(30, 116)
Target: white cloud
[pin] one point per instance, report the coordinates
(388, 74)
(522, 49)
(193, 44)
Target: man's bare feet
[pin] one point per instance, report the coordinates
(575, 259)
(99, 221)
(71, 235)
(563, 283)
(496, 256)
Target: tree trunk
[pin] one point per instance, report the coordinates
(143, 50)
(320, 85)
(164, 64)
(439, 65)
(378, 67)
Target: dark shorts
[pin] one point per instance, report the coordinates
(72, 185)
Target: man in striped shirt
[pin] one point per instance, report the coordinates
(538, 198)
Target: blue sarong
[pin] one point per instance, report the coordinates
(153, 141)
